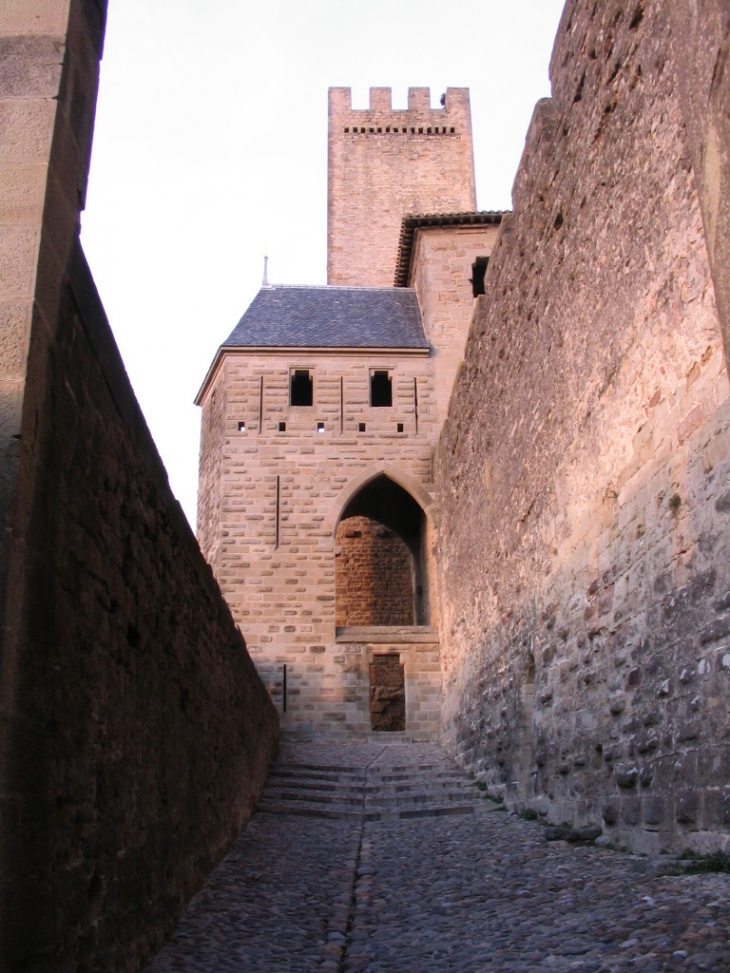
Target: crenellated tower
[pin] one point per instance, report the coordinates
(385, 163)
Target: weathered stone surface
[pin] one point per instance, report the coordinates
(701, 47)
(583, 468)
(135, 735)
(373, 575)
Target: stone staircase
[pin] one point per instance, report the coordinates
(382, 792)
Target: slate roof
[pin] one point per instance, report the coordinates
(330, 317)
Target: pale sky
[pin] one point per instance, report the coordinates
(210, 150)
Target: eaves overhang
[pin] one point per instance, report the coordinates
(413, 222)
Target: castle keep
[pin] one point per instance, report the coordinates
(321, 414)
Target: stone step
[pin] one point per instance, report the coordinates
(426, 787)
(372, 814)
(332, 787)
(367, 800)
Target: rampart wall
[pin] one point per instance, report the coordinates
(584, 469)
(135, 735)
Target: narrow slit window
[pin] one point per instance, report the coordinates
(320, 427)
(400, 427)
(361, 427)
(381, 390)
(282, 427)
(478, 273)
(301, 387)
(242, 427)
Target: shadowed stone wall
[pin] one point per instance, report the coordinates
(135, 735)
(584, 469)
(373, 575)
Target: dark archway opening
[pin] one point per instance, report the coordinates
(380, 572)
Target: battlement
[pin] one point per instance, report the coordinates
(419, 118)
(386, 162)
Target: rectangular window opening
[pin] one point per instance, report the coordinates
(381, 390)
(301, 387)
(361, 427)
(282, 427)
(242, 427)
(478, 273)
(320, 427)
(400, 427)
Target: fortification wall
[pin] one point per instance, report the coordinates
(584, 470)
(135, 735)
(383, 164)
(701, 47)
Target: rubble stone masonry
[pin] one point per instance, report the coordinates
(374, 576)
(135, 734)
(584, 469)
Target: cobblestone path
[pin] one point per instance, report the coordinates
(400, 881)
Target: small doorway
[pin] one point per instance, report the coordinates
(387, 693)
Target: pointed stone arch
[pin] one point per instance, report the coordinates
(402, 479)
(390, 513)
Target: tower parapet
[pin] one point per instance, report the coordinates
(384, 163)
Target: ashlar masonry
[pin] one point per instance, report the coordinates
(321, 414)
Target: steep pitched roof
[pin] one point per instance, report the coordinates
(330, 317)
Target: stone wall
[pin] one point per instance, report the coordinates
(441, 269)
(383, 164)
(584, 470)
(135, 735)
(373, 575)
(701, 47)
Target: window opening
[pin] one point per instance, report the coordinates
(478, 272)
(282, 427)
(301, 387)
(242, 427)
(400, 427)
(361, 427)
(320, 427)
(381, 390)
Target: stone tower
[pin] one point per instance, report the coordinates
(321, 415)
(384, 164)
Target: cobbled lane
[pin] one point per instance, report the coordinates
(414, 885)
